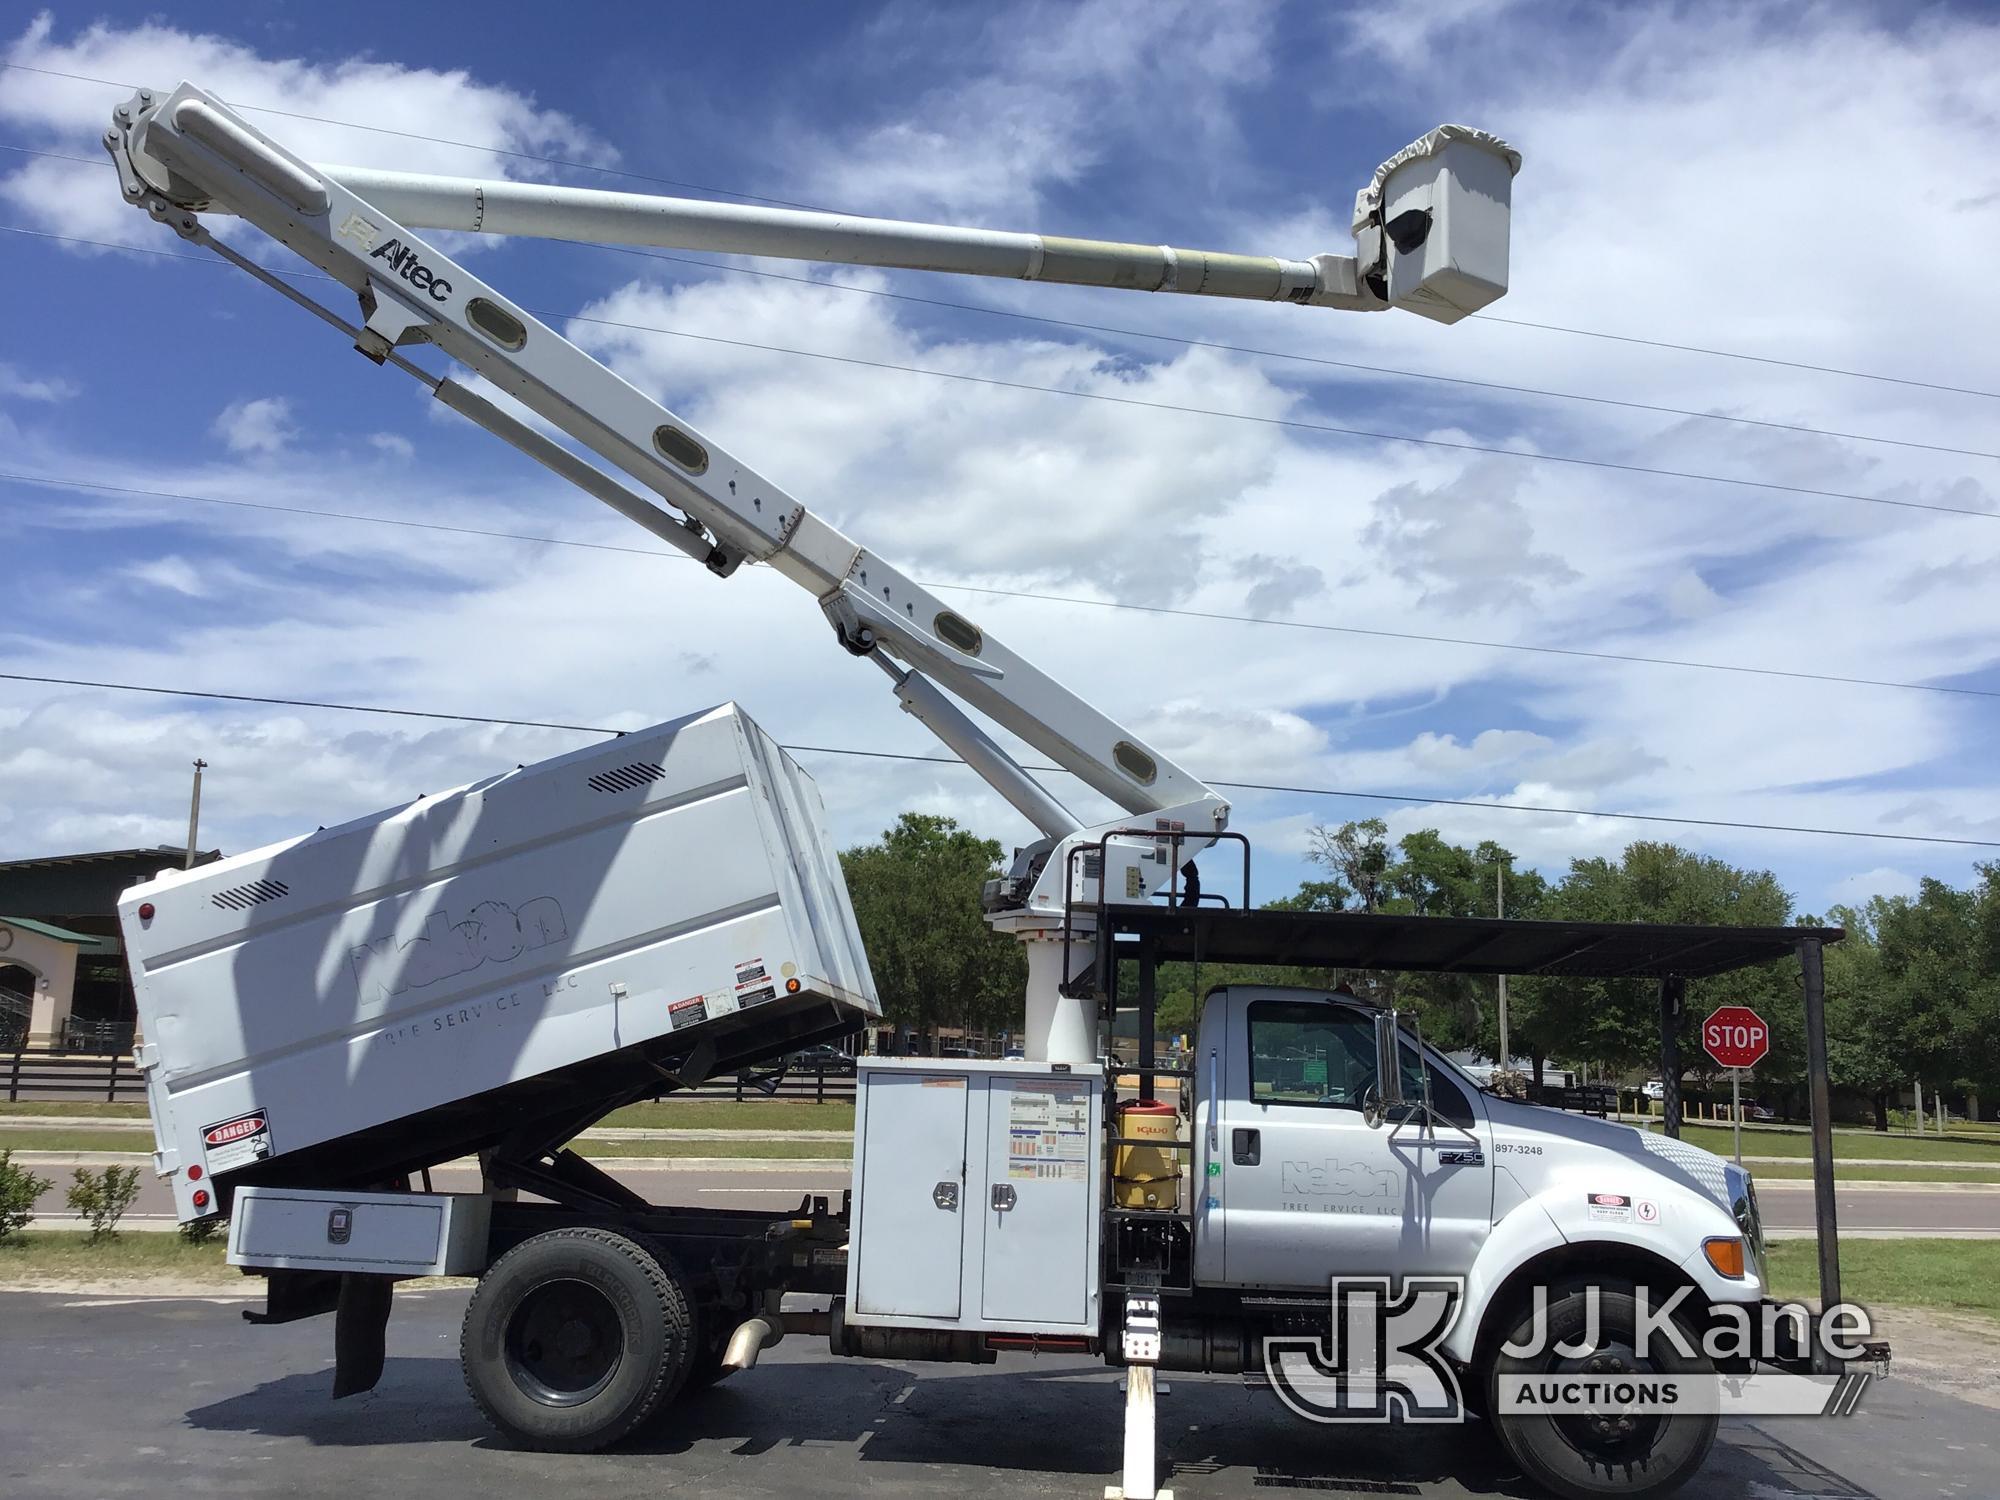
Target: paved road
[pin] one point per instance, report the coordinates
(1787, 1204)
(163, 1396)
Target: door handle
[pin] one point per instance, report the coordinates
(1246, 1147)
(945, 1196)
(1003, 1197)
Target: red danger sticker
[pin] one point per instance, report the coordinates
(229, 1144)
(234, 1130)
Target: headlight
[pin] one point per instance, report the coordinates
(1743, 1206)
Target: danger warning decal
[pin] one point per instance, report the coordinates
(689, 1012)
(1609, 1208)
(236, 1143)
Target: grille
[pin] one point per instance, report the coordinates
(627, 778)
(243, 897)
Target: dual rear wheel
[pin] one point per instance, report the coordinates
(577, 1337)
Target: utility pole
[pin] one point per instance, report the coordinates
(1500, 906)
(194, 814)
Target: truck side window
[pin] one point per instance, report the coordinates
(1310, 1052)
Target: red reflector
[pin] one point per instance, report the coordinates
(194, 1174)
(145, 911)
(201, 1197)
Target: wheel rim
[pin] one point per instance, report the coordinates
(564, 1342)
(1609, 1438)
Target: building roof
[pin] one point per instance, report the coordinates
(83, 940)
(109, 856)
(1464, 945)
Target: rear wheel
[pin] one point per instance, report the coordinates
(1583, 1456)
(574, 1338)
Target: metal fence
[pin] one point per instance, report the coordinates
(37, 1075)
(817, 1085)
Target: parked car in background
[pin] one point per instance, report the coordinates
(1761, 1113)
(821, 1058)
(1654, 1089)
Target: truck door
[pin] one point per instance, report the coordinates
(1308, 1189)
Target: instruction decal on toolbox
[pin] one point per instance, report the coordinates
(237, 1142)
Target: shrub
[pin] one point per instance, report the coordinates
(201, 1231)
(19, 1188)
(102, 1197)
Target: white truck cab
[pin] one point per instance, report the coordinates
(1301, 1181)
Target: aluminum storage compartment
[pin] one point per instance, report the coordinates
(388, 1234)
(675, 880)
(978, 1196)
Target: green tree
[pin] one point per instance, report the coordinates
(1615, 1023)
(916, 896)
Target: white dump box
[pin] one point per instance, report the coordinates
(384, 994)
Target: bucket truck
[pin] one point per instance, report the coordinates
(486, 972)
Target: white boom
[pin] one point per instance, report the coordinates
(1431, 237)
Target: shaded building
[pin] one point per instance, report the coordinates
(63, 976)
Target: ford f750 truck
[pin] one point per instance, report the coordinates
(483, 973)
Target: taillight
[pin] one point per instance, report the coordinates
(201, 1197)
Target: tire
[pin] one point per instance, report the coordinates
(1579, 1458)
(574, 1338)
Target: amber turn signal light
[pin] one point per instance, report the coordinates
(1726, 1255)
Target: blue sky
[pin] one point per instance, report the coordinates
(1780, 181)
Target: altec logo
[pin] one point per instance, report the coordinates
(235, 1130)
(403, 261)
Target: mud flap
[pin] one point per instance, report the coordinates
(360, 1329)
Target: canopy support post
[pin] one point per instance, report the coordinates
(1673, 996)
(1812, 969)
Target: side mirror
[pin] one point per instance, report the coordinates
(1387, 1094)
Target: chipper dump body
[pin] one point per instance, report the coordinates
(504, 961)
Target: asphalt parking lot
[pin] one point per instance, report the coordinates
(150, 1396)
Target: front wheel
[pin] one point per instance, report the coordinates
(574, 1338)
(1584, 1456)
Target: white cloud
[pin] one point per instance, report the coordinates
(75, 199)
(24, 387)
(1635, 158)
(174, 574)
(261, 425)
(392, 445)
(1034, 98)
(1863, 885)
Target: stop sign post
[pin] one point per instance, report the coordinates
(1737, 1038)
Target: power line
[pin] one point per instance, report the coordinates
(1181, 409)
(946, 760)
(812, 208)
(1219, 616)
(1221, 347)
(1759, 359)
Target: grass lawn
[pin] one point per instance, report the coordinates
(56, 1255)
(132, 1111)
(51, 1138)
(1851, 1144)
(1861, 1172)
(830, 1150)
(1961, 1274)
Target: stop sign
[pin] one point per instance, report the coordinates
(1736, 1037)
